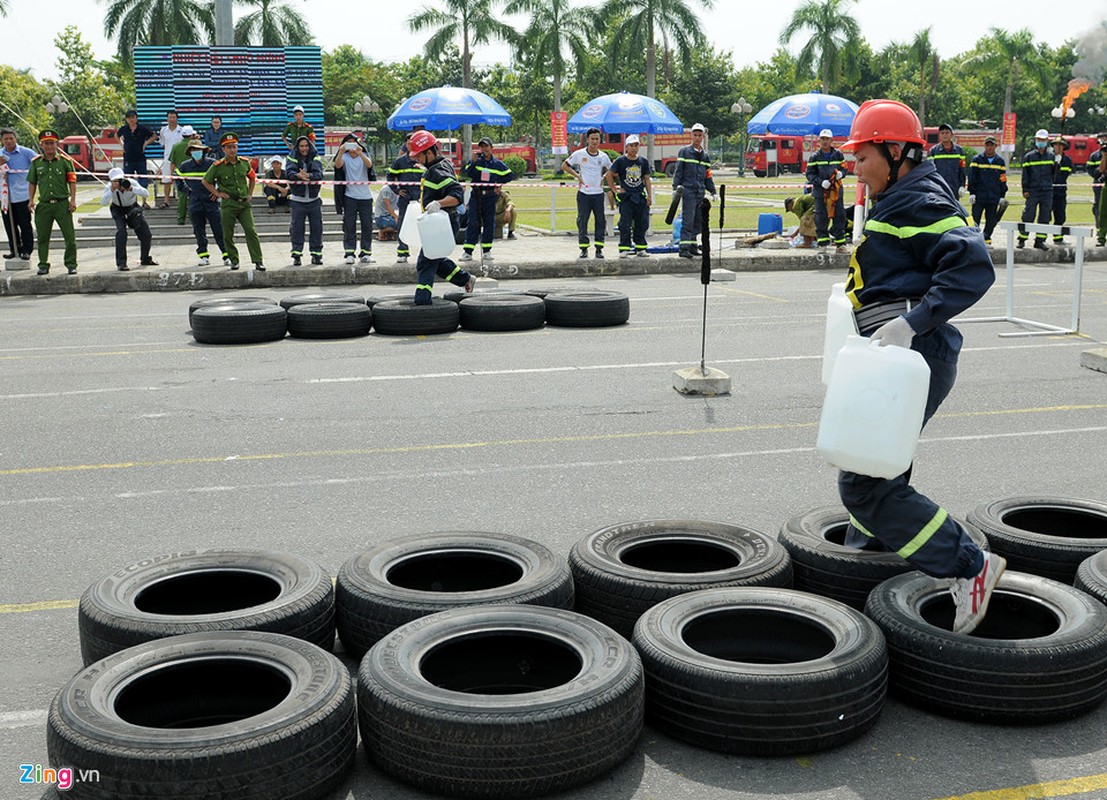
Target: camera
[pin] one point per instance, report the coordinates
(124, 184)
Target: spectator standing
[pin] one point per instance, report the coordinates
(405, 176)
(276, 188)
(633, 195)
(178, 156)
(804, 208)
(1037, 188)
(203, 206)
(588, 166)
(305, 171)
(693, 173)
(505, 213)
(169, 135)
(949, 158)
(297, 128)
(1062, 169)
(825, 170)
(440, 191)
(211, 137)
(123, 197)
(357, 199)
(386, 216)
(231, 179)
(17, 216)
(484, 169)
(53, 179)
(987, 186)
(135, 137)
(1096, 167)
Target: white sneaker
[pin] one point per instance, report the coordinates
(226, 262)
(489, 257)
(624, 254)
(466, 256)
(350, 259)
(642, 254)
(366, 258)
(471, 283)
(971, 595)
(204, 261)
(401, 259)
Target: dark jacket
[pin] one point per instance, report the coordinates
(311, 164)
(1061, 171)
(406, 170)
(498, 172)
(950, 164)
(439, 182)
(193, 172)
(988, 180)
(1037, 172)
(917, 244)
(693, 171)
(822, 166)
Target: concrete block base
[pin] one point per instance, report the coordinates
(1096, 359)
(723, 275)
(16, 264)
(694, 381)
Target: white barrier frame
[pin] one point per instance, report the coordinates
(1079, 233)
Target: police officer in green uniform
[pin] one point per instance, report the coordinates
(231, 179)
(297, 128)
(54, 180)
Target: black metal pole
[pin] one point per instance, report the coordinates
(705, 273)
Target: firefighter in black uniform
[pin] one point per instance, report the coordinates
(439, 191)
(949, 158)
(987, 186)
(693, 172)
(825, 170)
(483, 169)
(1062, 169)
(1037, 187)
(1097, 168)
(405, 173)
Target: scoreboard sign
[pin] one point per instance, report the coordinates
(253, 89)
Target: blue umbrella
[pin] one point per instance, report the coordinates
(624, 112)
(448, 107)
(804, 115)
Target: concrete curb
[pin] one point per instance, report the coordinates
(1096, 359)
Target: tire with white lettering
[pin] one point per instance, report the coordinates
(759, 671)
(622, 570)
(1047, 536)
(404, 318)
(305, 298)
(824, 565)
(241, 714)
(239, 323)
(398, 581)
(1040, 655)
(329, 320)
(500, 701)
(228, 301)
(206, 590)
(503, 312)
(596, 309)
(1091, 576)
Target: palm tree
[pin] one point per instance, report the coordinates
(471, 21)
(834, 35)
(924, 55)
(3, 8)
(644, 22)
(274, 24)
(157, 22)
(553, 27)
(1012, 52)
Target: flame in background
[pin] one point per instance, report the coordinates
(1077, 87)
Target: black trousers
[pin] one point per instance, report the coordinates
(133, 218)
(1060, 207)
(20, 215)
(634, 218)
(986, 214)
(482, 222)
(1038, 205)
(590, 205)
(826, 230)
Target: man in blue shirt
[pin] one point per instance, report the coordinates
(135, 137)
(17, 217)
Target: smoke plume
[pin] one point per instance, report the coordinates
(1092, 49)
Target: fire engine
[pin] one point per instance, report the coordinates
(771, 155)
(666, 147)
(103, 153)
(1081, 145)
(453, 148)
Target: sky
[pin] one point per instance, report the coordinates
(749, 29)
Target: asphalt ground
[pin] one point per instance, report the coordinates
(121, 438)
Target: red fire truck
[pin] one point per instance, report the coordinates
(1081, 145)
(99, 155)
(666, 147)
(771, 155)
(453, 147)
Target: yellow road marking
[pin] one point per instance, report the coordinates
(1035, 791)
(45, 605)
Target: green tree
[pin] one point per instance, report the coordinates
(26, 98)
(706, 92)
(554, 27)
(1015, 54)
(82, 81)
(3, 8)
(926, 61)
(157, 22)
(273, 24)
(832, 37)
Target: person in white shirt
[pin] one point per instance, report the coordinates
(123, 196)
(588, 166)
(358, 198)
(169, 135)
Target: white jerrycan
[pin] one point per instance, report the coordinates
(874, 406)
(409, 230)
(436, 233)
(840, 323)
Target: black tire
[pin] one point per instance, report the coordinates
(329, 320)
(235, 714)
(503, 312)
(1091, 576)
(1040, 655)
(207, 590)
(1047, 536)
(320, 297)
(404, 318)
(759, 173)
(773, 171)
(559, 288)
(621, 571)
(461, 294)
(587, 309)
(823, 565)
(239, 323)
(372, 300)
(232, 300)
(500, 701)
(765, 672)
(399, 581)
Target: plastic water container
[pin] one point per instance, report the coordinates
(840, 323)
(409, 230)
(769, 223)
(677, 225)
(436, 233)
(873, 411)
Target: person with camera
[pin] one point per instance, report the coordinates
(356, 168)
(123, 197)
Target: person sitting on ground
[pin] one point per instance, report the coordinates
(386, 214)
(804, 208)
(276, 186)
(505, 214)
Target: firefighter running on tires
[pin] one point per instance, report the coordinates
(439, 191)
(693, 173)
(825, 170)
(918, 265)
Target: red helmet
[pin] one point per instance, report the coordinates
(420, 141)
(880, 121)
